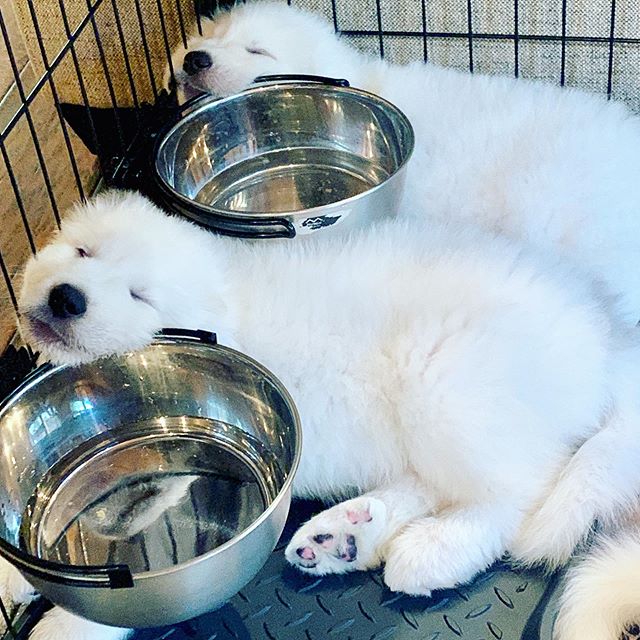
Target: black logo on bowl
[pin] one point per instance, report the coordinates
(320, 221)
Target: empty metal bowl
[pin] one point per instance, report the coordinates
(146, 489)
(285, 159)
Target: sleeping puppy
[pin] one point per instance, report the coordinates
(555, 167)
(473, 396)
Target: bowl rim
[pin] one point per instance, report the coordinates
(47, 370)
(210, 102)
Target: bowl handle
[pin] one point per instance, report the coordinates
(302, 77)
(268, 227)
(257, 228)
(200, 335)
(117, 576)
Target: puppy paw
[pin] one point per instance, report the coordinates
(346, 537)
(434, 553)
(402, 572)
(58, 624)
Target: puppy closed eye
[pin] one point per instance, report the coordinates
(136, 295)
(82, 252)
(259, 52)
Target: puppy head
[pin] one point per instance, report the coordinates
(110, 279)
(251, 40)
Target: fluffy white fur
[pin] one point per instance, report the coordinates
(602, 588)
(476, 397)
(556, 167)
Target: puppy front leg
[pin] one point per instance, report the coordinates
(352, 535)
(447, 549)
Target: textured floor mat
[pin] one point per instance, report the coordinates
(279, 605)
(282, 604)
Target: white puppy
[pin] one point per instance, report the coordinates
(476, 397)
(556, 167)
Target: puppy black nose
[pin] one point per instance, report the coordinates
(196, 61)
(66, 301)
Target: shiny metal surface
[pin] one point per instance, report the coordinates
(142, 495)
(309, 155)
(175, 460)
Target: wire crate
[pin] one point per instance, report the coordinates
(81, 79)
(81, 86)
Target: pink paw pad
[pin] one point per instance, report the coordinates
(349, 551)
(358, 516)
(306, 553)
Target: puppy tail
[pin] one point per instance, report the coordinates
(602, 594)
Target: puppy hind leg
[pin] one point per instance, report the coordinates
(352, 535)
(601, 480)
(450, 548)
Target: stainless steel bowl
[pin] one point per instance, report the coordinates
(146, 489)
(285, 159)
